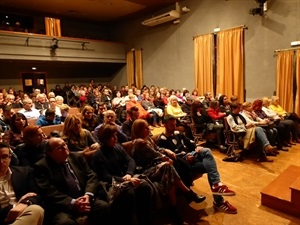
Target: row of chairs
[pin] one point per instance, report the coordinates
(203, 134)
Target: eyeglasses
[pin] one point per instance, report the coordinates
(4, 157)
(63, 145)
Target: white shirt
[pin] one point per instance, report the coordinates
(7, 194)
(30, 114)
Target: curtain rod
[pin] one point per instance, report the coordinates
(241, 26)
(287, 49)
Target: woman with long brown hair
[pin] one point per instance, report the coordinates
(78, 139)
(88, 118)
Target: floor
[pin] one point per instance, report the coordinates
(247, 179)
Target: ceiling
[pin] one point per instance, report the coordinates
(92, 10)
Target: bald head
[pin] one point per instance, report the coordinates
(57, 150)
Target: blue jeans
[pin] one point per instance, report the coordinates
(262, 140)
(205, 163)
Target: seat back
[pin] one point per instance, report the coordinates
(32, 121)
(47, 129)
(74, 111)
(231, 138)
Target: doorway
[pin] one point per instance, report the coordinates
(34, 80)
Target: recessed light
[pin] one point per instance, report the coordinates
(33, 68)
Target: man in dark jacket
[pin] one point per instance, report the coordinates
(68, 186)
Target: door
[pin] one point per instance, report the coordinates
(34, 80)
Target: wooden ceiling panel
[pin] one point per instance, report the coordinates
(95, 10)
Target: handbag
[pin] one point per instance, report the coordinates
(115, 189)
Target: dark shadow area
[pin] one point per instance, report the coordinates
(273, 25)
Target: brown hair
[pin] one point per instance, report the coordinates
(137, 126)
(29, 132)
(105, 132)
(68, 132)
(257, 104)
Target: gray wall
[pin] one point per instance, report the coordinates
(168, 49)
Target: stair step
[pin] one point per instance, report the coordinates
(283, 193)
(280, 187)
(295, 192)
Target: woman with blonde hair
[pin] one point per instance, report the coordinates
(78, 139)
(158, 166)
(287, 122)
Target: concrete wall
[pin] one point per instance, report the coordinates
(168, 49)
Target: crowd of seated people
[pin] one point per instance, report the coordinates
(127, 115)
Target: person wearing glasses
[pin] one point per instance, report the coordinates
(53, 105)
(68, 186)
(110, 118)
(21, 193)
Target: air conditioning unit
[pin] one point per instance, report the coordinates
(163, 18)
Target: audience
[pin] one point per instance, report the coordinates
(178, 157)
(251, 134)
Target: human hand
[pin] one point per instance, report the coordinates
(190, 158)
(171, 154)
(248, 125)
(135, 181)
(126, 177)
(198, 149)
(95, 146)
(30, 194)
(82, 204)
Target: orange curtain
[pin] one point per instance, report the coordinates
(230, 62)
(284, 82)
(203, 63)
(52, 27)
(135, 68)
(130, 67)
(138, 69)
(297, 99)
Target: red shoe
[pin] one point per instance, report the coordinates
(222, 190)
(225, 207)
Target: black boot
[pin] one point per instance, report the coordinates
(192, 196)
